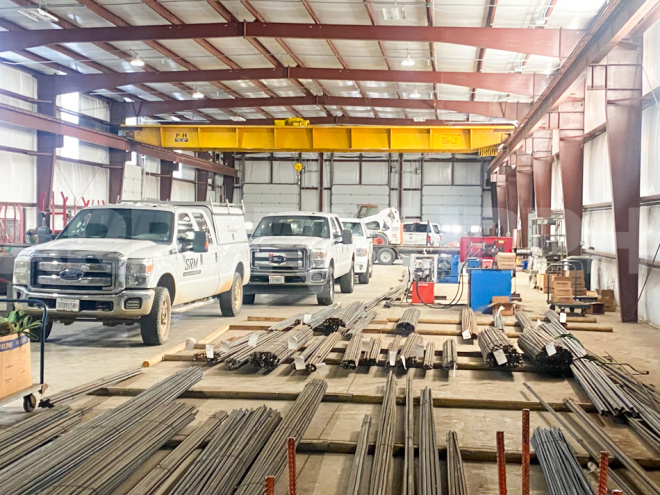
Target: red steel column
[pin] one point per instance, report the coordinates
(524, 188)
(167, 168)
(47, 144)
(624, 139)
(511, 200)
(321, 174)
(228, 181)
(503, 217)
(202, 177)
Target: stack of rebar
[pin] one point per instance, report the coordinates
(42, 468)
(469, 322)
(449, 354)
(243, 353)
(272, 458)
(456, 482)
(360, 455)
(497, 350)
(372, 357)
(381, 470)
(392, 295)
(301, 357)
(547, 354)
(86, 388)
(563, 474)
(31, 433)
(287, 323)
(103, 472)
(342, 317)
(410, 357)
(409, 447)
(320, 316)
(269, 355)
(322, 351)
(428, 481)
(230, 451)
(429, 356)
(351, 359)
(152, 482)
(408, 321)
(393, 351)
(228, 348)
(360, 324)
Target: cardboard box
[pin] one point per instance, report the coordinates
(541, 280)
(563, 300)
(562, 293)
(605, 294)
(504, 302)
(506, 261)
(563, 284)
(15, 370)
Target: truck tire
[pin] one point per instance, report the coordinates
(363, 278)
(155, 327)
(231, 301)
(386, 256)
(327, 296)
(248, 298)
(371, 269)
(36, 333)
(347, 282)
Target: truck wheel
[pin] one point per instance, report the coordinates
(36, 333)
(363, 278)
(371, 269)
(327, 296)
(155, 327)
(248, 298)
(386, 256)
(231, 301)
(347, 282)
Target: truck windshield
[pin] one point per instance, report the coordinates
(308, 226)
(416, 227)
(354, 227)
(120, 223)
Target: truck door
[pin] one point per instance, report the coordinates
(188, 264)
(343, 256)
(210, 261)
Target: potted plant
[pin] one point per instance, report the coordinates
(16, 330)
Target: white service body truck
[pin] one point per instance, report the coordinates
(364, 248)
(300, 252)
(138, 262)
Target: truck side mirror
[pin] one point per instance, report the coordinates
(200, 242)
(347, 236)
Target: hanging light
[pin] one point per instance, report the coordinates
(415, 93)
(198, 95)
(175, 118)
(408, 62)
(137, 61)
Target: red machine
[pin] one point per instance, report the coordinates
(423, 292)
(484, 247)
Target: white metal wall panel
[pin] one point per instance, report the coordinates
(182, 191)
(132, 185)
(649, 309)
(651, 58)
(94, 107)
(467, 173)
(20, 173)
(151, 184)
(594, 109)
(452, 205)
(93, 153)
(437, 173)
(375, 172)
(412, 174)
(79, 181)
(650, 173)
(309, 200)
(598, 230)
(346, 172)
(284, 173)
(345, 198)
(557, 199)
(257, 172)
(597, 182)
(649, 231)
(411, 205)
(261, 199)
(20, 83)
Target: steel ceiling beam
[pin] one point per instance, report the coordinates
(521, 84)
(616, 21)
(510, 111)
(39, 122)
(545, 42)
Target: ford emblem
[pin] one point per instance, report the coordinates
(71, 274)
(277, 259)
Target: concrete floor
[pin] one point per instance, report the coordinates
(83, 352)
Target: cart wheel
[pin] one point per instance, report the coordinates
(552, 307)
(29, 403)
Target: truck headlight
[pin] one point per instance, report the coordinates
(21, 271)
(137, 273)
(318, 258)
(360, 252)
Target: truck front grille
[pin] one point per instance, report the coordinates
(279, 259)
(73, 274)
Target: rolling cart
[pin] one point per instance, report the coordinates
(574, 306)
(29, 397)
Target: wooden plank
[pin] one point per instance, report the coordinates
(180, 347)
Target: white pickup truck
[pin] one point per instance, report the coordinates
(128, 263)
(364, 248)
(300, 252)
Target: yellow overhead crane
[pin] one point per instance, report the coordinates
(295, 136)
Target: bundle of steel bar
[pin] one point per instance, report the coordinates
(320, 316)
(342, 317)
(409, 447)
(456, 482)
(469, 322)
(227, 348)
(310, 347)
(372, 357)
(270, 354)
(497, 349)
(31, 433)
(152, 482)
(322, 351)
(393, 351)
(523, 320)
(360, 324)
(381, 469)
(86, 388)
(563, 474)
(428, 481)
(392, 295)
(412, 352)
(242, 354)
(42, 468)
(272, 458)
(564, 337)
(429, 356)
(351, 359)
(408, 321)
(547, 354)
(360, 455)
(229, 453)
(449, 354)
(288, 323)
(103, 472)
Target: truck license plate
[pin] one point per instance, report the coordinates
(72, 305)
(276, 279)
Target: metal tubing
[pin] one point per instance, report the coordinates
(291, 463)
(525, 452)
(501, 463)
(602, 473)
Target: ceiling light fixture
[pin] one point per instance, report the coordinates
(175, 118)
(419, 119)
(237, 118)
(395, 13)
(137, 61)
(408, 62)
(38, 15)
(198, 95)
(415, 93)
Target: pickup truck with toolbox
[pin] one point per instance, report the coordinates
(138, 263)
(303, 253)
